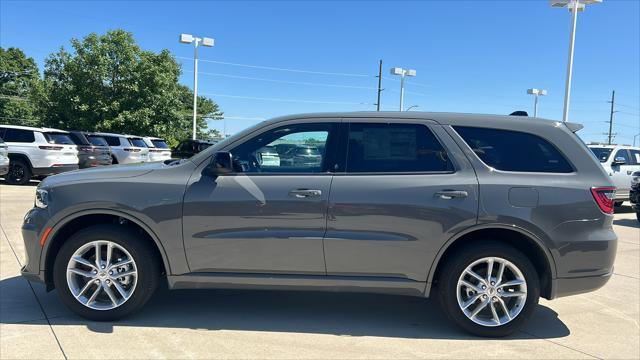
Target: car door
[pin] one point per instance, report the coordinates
(406, 190)
(267, 216)
(621, 172)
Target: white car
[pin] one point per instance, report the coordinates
(4, 158)
(36, 152)
(620, 162)
(126, 149)
(159, 150)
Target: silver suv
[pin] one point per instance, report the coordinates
(420, 204)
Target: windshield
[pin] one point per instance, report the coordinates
(160, 144)
(97, 140)
(137, 142)
(601, 153)
(58, 138)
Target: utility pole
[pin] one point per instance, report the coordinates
(379, 85)
(613, 97)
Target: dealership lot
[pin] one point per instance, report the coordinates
(259, 324)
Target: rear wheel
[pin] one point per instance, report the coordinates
(19, 172)
(638, 215)
(618, 203)
(489, 289)
(105, 272)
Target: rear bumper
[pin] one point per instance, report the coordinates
(89, 161)
(573, 286)
(4, 169)
(54, 170)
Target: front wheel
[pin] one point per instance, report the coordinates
(489, 289)
(105, 272)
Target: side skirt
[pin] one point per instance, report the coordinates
(297, 282)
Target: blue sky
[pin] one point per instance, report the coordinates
(470, 56)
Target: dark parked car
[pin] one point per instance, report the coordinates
(634, 194)
(422, 204)
(188, 148)
(93, 150)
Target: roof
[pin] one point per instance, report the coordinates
(39, 129)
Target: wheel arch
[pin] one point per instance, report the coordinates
(74, 222)
(20, 156)
(528, 243)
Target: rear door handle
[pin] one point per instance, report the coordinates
(450, 194)
(305, 193)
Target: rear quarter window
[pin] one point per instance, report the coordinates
(516, 151)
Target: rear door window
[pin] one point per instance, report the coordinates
(112, 140)
(635, 157)
(394, 148)
(19, 136)
(601, 153)
(514, 151)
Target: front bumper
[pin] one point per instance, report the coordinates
(634, 197)
(32, 228)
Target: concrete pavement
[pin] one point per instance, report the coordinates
(262, 324)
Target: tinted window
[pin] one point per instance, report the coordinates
(203, 146)
(160, 144)
(137, 142)
(601, 153)
(112, 140)
(394, 148)
(264, 152)
(76, 138)
(58, 138)
(635, 156)
(19, 135)
(97, 140)
(514, 151)
(622, 153)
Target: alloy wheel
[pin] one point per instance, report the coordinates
(491, 291)
(102, 275)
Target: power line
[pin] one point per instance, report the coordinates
(277, 68)
(284, 81)
(287, 100)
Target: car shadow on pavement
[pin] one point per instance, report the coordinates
(345, 314)
(627, 222)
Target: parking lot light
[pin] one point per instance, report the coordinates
(574, 6)
(190, 39)
(536, 93)
(402, 73)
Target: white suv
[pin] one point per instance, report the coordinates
(36, 152)
(158, 149)
(126, 149)
(620, 162)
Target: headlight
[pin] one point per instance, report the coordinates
(42, 198)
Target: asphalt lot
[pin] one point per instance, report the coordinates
(260, 324)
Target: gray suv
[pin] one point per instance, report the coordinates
(486, 213)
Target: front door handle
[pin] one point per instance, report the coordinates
(305, 193)
(450, 194)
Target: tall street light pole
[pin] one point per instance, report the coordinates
(402, 73)
(190, 39)
(574, 6)
(536, 93)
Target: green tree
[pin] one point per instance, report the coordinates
(108, 83)
(20, 88)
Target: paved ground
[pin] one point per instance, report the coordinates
(251, 324)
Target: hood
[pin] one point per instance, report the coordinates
(102, 173)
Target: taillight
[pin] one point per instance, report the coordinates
(86, 148)
(131, 149)
(44, 147)
(604, 197)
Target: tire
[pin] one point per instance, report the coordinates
(114, 161)
(19, 172)
(638, 215)
(141, 287)
(522, 306)
(618, 203)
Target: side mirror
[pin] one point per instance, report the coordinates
(619, 161)
(221, 164)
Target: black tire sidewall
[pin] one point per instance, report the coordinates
(447, 287)
(146, 264)
(27, 173)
